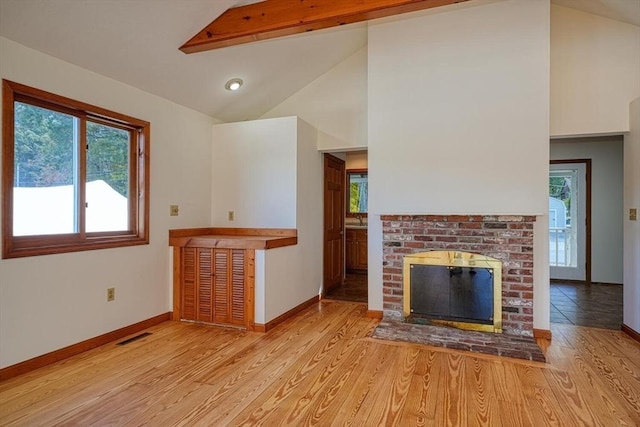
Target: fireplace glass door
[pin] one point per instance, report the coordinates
(462, 294)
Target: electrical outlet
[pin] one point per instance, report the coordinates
(111, 294)
(230, 215)
(173, 210)
(633, 214)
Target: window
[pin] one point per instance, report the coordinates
(75, 176)
(357, 192)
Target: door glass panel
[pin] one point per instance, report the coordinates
(563, 238)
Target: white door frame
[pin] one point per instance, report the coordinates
(582, 272)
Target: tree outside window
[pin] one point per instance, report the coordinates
(76, 178)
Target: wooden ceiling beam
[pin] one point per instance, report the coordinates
(278, 18)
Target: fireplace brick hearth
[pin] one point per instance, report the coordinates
(508, 238)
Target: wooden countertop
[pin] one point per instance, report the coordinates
(233, 238)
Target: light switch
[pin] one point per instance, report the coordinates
(173, 210)
(633, 214)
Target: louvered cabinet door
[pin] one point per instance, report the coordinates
(205, 285)
(197, 281)
(229, 285)
(213, 286)
(237, 289)
(221, 307)
(188, 271)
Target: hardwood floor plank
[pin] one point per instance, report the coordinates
(371, 408)
(131, 400)
(307, 402)
(338, 400)
(507, 384)
(537, 391)
(388, 404)
(113, 392)
(245, 373)
(401, 384)
(608, 390)
(309, 359)
(572, 399)
(322, 368)
(71, 388)
(422, 396)
(482, 409)
(453, 398)
(312, 403)
(351, 401)
(604, 368)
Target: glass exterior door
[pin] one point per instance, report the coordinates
(567, 221)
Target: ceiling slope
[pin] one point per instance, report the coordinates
(277, 18)
(620, 10)
(137, 43)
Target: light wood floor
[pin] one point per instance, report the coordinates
(320, 368)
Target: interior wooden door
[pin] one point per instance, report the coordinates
(334, 213)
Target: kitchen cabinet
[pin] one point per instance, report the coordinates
(356, 249)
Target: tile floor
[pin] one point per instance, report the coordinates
(596, 306)
(354, 289)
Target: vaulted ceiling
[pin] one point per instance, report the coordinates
(270, 19)
(137, 42)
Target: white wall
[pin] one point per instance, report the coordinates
(270, 173)
(459, 121)
(254, 173)
(606, 200)
(595, 64)
(335, 104)
(294, 273)
(310, 210)
(467, 129)
(49, 302)
(631, 287)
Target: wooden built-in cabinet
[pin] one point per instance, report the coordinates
(214, 285)
(356, 243)
(214, 272)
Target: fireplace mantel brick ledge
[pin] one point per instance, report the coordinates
(508, 238)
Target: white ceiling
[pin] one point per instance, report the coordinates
(137, 41)
(621, 10)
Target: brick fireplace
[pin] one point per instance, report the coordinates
(508, 238)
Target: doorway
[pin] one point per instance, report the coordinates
(354, 284)
(594, 299)
(570, 220)
(334, 199)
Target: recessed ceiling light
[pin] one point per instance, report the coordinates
(233, 84)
